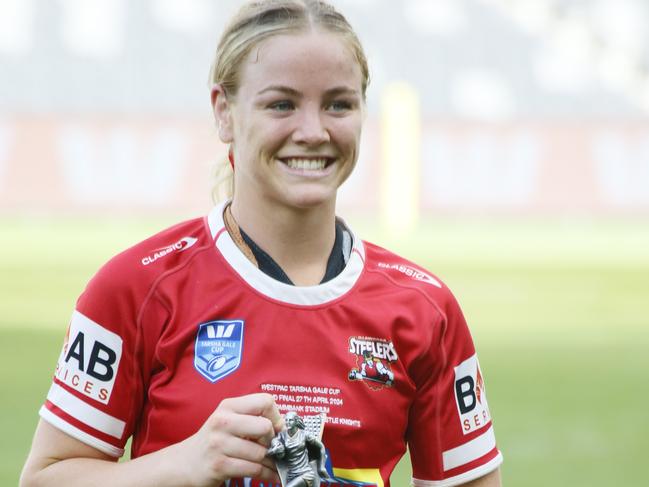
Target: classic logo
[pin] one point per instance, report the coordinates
(181, 245)
(470, 395)
(412, 273)
(90, 358)
(372, 358)
(218, 347)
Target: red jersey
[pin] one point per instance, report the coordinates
(169, 328)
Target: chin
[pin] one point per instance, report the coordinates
(309, 202)
(309, 199)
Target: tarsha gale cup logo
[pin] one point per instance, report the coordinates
(218, 348)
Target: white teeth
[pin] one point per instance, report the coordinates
(306, 164)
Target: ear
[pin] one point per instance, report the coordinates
(222, 113)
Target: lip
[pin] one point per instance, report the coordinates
(314, 173)
(328, 158)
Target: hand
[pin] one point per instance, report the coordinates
(276, 449)
(354, 375)
(233, 441)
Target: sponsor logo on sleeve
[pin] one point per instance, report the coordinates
(217, 351)
(179, 246)
(470, 396)
(90, 358)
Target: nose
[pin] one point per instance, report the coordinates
(311, 129)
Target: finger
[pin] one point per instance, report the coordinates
(279, 425)
(266, 439)
(269, 463)
(243, 425)
(260, 404)
(243, 449)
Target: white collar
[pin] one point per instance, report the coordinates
(266, 285)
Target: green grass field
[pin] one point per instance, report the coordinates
(559, 312)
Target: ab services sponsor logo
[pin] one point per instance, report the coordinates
(471, 396)
(90, 358)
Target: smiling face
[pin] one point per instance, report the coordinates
(295, 122)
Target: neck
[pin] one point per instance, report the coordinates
(299, 240)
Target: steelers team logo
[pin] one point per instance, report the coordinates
(373, 359)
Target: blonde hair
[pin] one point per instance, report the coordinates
(258, 20)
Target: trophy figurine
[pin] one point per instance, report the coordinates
(298, 451)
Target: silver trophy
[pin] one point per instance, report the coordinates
(299, 452)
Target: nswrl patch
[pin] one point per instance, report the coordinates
(218, 347)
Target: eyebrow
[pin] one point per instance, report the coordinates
(338, 90)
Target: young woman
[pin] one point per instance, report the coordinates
(194, 341)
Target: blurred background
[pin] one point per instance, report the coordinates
(506, 149)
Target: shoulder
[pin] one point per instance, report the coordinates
(134, 270)
(165, 249)
(401, 274)
(309, 437)
(412, 289)
(278, 439)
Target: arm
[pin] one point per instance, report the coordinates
(231, 443)
(277, 449)
(490, 480)
(451, 435)
(322, 457)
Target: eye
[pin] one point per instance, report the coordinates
(282, 106)
(340, 106)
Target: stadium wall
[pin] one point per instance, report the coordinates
(112, 164)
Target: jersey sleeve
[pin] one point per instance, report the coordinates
(450, 434)
(97, 388)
